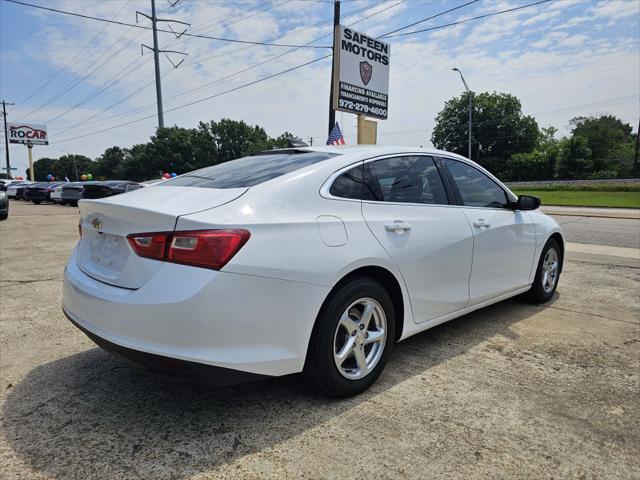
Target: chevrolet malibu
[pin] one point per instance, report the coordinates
(314, 260)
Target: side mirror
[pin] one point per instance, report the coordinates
(527, 202)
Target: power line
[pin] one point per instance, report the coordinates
(113, 80)
(83, 74)
(133, 25)
(226, 77)
(202, 99)
(388, 35)
(61, 69)
(429, 18)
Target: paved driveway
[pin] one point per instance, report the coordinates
(511, 391)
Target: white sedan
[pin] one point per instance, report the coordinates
(56, 195)
(306, 259)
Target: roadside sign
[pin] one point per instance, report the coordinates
(28, 134)
(362, 80)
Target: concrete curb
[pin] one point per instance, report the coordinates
(621, 213)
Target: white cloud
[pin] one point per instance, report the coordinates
(558, 69)
(542, 17)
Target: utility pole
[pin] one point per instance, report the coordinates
(635, 158)
(456, 69)
(156, 60)
(156, 52)
(6, 137)
(336, 50)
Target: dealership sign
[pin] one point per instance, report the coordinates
(362, 79)
(28, 134)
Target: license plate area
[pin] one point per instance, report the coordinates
(108, 251)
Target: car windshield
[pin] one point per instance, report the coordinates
(248, 171)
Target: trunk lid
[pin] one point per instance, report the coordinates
(104, 252)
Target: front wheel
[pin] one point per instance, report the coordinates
(547, 274)
(352, 339)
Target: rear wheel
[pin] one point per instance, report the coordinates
(73, 203)
(547, 274)
(352, 339)
(36, 202)
(62, 202)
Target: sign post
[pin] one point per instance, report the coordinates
(31, 174)
(361, 85)
(29, 135)
(367, 131)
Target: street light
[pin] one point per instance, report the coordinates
(455, 69)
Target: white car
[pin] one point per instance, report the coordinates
(308, 259)
(56, 195)
(12, 188)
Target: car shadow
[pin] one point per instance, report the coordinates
(89, 415)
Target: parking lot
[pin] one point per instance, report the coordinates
(510, 391)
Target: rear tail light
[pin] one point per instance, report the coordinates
(149, 245)
(199, 248)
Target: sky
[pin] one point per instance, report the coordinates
(89, 83)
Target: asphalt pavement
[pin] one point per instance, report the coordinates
(511, 391)
(614, 232)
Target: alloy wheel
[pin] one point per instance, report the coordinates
(360, 338)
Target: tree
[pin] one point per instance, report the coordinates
(499, 127)
(107, 164)
(575, 159)
(604, 135)
(72, 166)
(41, 168)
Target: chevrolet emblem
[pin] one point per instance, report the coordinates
(97, 223)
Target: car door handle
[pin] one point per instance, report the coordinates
(397, 226)
(481, 223)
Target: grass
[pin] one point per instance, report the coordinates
(581, 198)
(602, 187)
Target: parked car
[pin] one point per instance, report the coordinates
(56, 195)
(309, 259)
(72, 192)
(40, 192)
(16, 190)
(107, 188)
(4, 203)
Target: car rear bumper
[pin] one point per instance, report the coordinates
(239, 322)
(171, 369)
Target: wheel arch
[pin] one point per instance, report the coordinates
(557, 236)
(387, 279)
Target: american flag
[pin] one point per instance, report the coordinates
(335, 137)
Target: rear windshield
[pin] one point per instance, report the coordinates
(248, 171)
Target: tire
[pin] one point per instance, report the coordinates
(36, 202)
(4, 216)
(543, 288)
(63, 203)
(337, 329)
(73, 203)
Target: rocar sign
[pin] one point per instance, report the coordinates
(28, 134)
(362, 82)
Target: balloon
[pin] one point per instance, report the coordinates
(166, 175)
(49, 176)
(173, 174)
(52, 178)
(83, 177)
(89, 176)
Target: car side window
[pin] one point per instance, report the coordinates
(408, 179)
(348, 184)
(476, 189)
